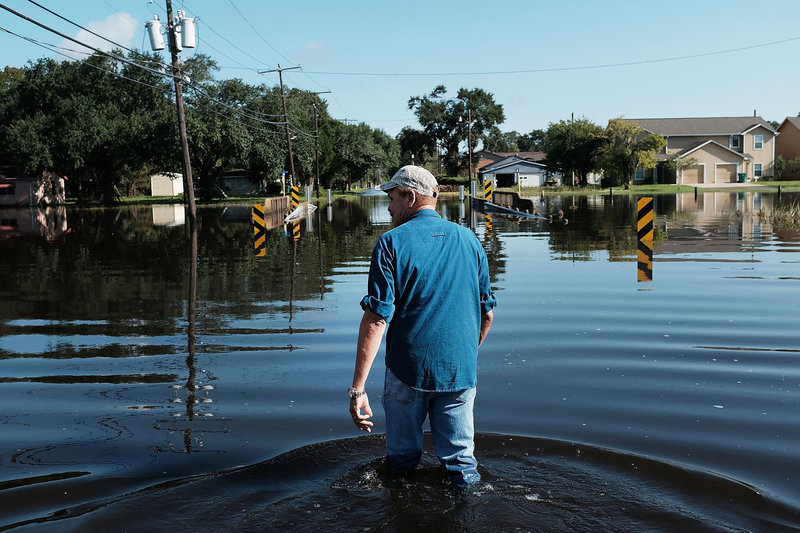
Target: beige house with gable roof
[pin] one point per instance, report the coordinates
(724, 148)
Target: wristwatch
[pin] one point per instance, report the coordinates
(353, 393)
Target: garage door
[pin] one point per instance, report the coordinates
(693, 175)
(725, 173)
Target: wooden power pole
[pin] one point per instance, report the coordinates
(188, 184)
(316, 136)
(280, 70)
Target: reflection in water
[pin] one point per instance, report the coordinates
(191, 358)
(698, 370)
(169, 215)
(47, 222)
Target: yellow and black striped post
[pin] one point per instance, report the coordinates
(487, 190)
(489, 228)
(644, 229)
(295, 197)
(259, 231)
(644, 223)
(644, 263)
(296, 230)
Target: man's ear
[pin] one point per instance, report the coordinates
(412, 198)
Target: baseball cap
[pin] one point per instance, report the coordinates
(414, 178)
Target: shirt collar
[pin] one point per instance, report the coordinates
(427, 212)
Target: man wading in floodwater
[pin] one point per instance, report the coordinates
(429, 279)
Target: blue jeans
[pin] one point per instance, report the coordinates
(452, 429)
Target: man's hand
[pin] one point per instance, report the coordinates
(361, 420)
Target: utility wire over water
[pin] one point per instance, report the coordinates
(136, 374)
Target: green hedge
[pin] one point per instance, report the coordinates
(449, 180)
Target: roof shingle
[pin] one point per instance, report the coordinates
(705, 126)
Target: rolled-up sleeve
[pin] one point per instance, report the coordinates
(380, 285)
(488, 299)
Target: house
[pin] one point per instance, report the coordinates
(727, 149)
(486, 157)
(45, 189)
(788, 143)
(166, 184)
(237, 183)
(515, 169)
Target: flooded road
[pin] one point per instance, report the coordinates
(145, 386)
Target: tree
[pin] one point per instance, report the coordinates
(361, 154)
(216, 126)
(416, 143)
(497, 141)
(532, 142)
(793, 167)
(678, 164)
(779, 166)
(446, 120)
(626, 147)
(78, 118)
(571, 146)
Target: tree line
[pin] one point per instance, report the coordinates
(572, 147)
(108, 124)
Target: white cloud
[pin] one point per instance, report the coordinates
(119, 27)
(314, 52)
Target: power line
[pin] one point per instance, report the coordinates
(561, 69)
(252, 115)
(133, 63)
(55, 49)
(257, 32)
(107, 54)
(79, 26)
(215, 32)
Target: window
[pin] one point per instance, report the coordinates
(734, 141)
(758, 142)
(757, 170)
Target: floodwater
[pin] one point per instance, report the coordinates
(151, 379)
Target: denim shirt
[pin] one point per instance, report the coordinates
(429, 279)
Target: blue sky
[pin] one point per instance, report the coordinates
(543, 61)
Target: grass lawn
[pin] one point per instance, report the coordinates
(524, 192)
(654, 189)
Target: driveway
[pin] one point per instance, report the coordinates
(737, 185)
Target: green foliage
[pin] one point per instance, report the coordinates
(416, 143)
(793, 168)
(532, 142)
(497, 141)
(446, 121)
(79, 119)
(511, 141)
(779, 166)
(107, 125)
(626, 147)
(363, 155)
(571, 147)
(677, 165)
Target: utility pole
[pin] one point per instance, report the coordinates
(316, 136)
(469, 140)
(188, 183)
(280, 70)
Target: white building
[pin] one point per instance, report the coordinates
(166, 184)
(517, 171)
